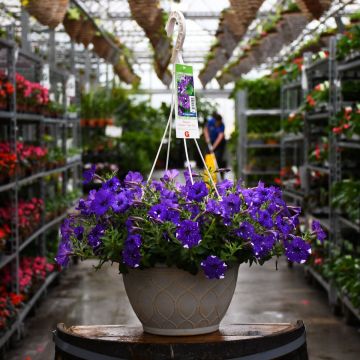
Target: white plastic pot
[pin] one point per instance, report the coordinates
(172, 302)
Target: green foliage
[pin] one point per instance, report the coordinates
(344, 270)
(263, 93)
(98, 104)
(346, 197)
(349, 42)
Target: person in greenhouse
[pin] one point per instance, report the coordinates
(214, 133)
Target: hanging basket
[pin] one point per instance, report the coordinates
(125, 73)
(101, 46)
(86, 33)
(314, 8)
(224, 79)
(72, 27)
(48, 12)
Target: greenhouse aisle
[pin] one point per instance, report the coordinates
(263, 295)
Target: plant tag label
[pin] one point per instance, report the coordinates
(186, 120)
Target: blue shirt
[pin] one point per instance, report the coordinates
(214, 130)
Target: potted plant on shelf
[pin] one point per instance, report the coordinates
(179, 247)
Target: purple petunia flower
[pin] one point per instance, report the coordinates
(284, 225)
(213, 207)
(214, 267)
(224, 186)
(158, 212)
(262, 217)
(168, 195)
(318, 230)
(133, 177)
(131, 252)
(121, 203)
(112, 184)
(230, 205)
(103, 201)
(188, 232)
(66, 230)
(197, 191)
(89, 174)
(170, 175)
(133, 240)
(63, 253)
(95, 235)
(297, 250)
(79, 232)
(262, 244)
(245, 230)
(157, 185)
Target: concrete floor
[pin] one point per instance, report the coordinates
(262, 295)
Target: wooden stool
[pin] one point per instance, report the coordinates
(245, 342)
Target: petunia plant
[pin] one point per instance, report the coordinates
(191, 226)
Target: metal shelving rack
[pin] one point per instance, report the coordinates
(244, 115)
(291, 145)
(317, 71)
(13, 59)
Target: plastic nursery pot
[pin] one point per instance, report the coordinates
(172, 302)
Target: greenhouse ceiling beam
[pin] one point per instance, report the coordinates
(189, 15)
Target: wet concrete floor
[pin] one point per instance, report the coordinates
(262, 295)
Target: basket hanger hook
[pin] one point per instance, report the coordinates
(177, 17)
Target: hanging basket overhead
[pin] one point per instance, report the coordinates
(72, 26)
(125, 72)
(314, 8)
(102, 48)
(48, 12)
(87, 33)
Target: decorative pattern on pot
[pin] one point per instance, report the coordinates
(170, 301)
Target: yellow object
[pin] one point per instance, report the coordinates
(210, 161)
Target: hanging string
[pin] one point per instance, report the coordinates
(169, 138)
(207, 169)
(188, 162)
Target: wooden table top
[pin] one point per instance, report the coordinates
(122, 333)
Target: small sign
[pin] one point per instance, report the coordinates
(45, 81)
(71, 86)
(187, 126)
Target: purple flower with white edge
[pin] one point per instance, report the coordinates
(63, 253)
(188, 232)
(133, 177)
(213, 207)
(197, 191)
(89, 174)
(318, 230)
(214, 267)
(230, 205)
(158, 212)
(131, 256)
(131, 252)
(262, 244)
(104, 199)
(297, 250)
(121, 203)
(133, 240)
(95, 235)
(184, 101)
(245, 231)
